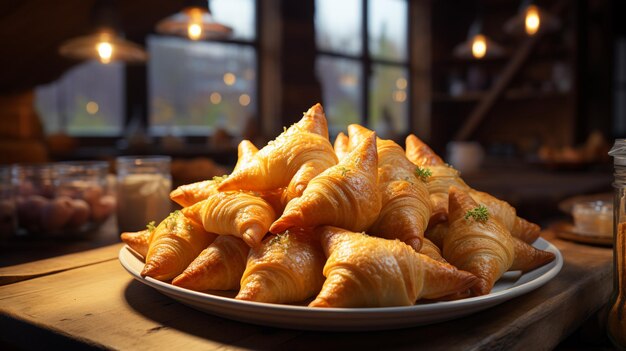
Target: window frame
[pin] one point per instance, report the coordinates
(368, 61)
(254, 43)
(133, 80)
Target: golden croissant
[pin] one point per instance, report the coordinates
(506, 214)
(284, 268)
(431, 250)
(238, 214)
(291, 161)
(526, 257)
(219, 267)
(189, 194)
(174, 243)
(345, 195)
(341, 146)
(476, 242)
(138, 241)
(405, 200)
(366, 271)
(444, 176)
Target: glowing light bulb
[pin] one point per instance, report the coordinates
(216, 98)
(401, 83)
(229, 78)
(533, 21)
(244, 99)
(194, 31)
(479, 46)
(92, 107)
(105, 51)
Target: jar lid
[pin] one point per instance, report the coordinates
(619, 152)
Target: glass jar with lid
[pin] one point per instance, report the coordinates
(62, 199)
(143, 188)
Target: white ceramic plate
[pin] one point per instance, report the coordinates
(511, 285)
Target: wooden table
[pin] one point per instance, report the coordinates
(99, 305)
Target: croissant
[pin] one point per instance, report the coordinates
(431, 250)
(218, 267)
(506, 214)
(345, 195)
(366, 271)
(292, 160)
(435, 233)
(478, 244)
(284, 268)
(189, 194)
(174, 243)
(444, 176)
(238, 214)
(405, 208)
(341, 146)
(528, 257)
(138, 241)
(419, 153)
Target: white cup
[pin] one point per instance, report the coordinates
(465, 156)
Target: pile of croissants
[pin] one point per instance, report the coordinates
(358, 224)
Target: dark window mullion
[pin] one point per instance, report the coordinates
(365, 54)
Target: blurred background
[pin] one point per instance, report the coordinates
(524, 97)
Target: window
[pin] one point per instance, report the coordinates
(87, 100)
(195, 87)
(363, 63)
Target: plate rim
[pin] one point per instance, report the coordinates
(489, 300)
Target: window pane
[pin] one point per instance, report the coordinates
(87, 100)
(338, 26)
(197, 86)
(238, 14)
(341, 80)
(389, 100)
(387, 29)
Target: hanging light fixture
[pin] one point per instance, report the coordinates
(530, 20)
(478, 45)
(105, 44)
(194, 22)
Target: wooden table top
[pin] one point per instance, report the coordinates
(98, 304)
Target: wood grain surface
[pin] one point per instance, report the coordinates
(101, 306)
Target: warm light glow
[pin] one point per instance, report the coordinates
(401, 83)
(105, 51)
(92, 107)
(244, 99)
(533, 21)
(216, 98)
(479, 46)
(194, 28)
(194, 31)
(399, 95)
(229, 78)
(348, 80)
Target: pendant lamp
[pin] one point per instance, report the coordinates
(106, 43)
(195, 22)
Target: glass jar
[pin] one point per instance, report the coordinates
(35, 190)
(143, 188)
(616, 324)
(8, 213)
(85, 183)
(62, 199)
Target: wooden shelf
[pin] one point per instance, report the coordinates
(475, 96)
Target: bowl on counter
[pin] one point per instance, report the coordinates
(62, 199)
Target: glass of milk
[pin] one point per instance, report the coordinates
(143, 187)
